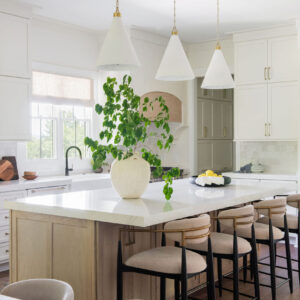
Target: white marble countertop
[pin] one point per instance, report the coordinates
(261, 176)
(22, 184)
(188, 199)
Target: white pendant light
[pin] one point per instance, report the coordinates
(174, 65)
(218, 75)
(117, 52)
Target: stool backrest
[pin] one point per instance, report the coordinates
(274, 208)
(242, 217)
(194, 230)
(39, 289)
(294, 200)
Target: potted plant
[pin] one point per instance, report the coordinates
(125, 130)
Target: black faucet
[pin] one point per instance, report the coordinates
(67, 162)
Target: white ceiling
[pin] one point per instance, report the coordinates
(195, 18)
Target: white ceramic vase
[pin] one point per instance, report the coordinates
(130, 177)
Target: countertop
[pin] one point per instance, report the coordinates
(43, 182)
(187, 200)
(261, 176)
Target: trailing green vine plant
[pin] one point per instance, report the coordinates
(125, 129)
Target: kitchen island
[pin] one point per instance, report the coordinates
(73, 236)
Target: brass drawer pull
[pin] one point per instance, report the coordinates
(265, 71)
(205, 131)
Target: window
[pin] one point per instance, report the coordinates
(61, 115)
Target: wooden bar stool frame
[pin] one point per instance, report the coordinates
(235, 257)
(271, 242)
(182, 277)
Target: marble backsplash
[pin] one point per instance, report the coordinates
(276, 157)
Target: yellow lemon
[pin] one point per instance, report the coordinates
(209, 173)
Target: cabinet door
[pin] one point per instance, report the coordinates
(205, 111)
(284, 108)
(283, 59)
(14, 50)
(251, 58)
(222, 155)
(227, 121)
(251, 112)
(217, 130)
(15, 109)
(205, 155)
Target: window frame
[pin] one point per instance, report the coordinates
(56, 165)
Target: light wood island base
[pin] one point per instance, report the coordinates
(82, 253)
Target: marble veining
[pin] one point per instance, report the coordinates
(106, 205)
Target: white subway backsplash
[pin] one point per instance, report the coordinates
(8, 149)
(276, 157)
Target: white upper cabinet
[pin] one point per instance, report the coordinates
(283, 111)
(14, 51)
(15, 109)
(251, 59)
(251, 112)
(283, 59)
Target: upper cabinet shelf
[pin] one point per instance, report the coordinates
(14, 51)
(266, 60)
(173, 103)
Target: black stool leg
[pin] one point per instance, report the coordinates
(220, 275)
(254, 262)
(288, 254)
(119, 273)
(176, 288)
(183, 276)
(245, 268)
(272, 260)
(210, 272)
(162, 288)
(235, 268)
(298, 237)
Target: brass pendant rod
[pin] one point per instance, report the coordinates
(117, 12)
(174, 30)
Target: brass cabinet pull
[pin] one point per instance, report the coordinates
(270, 129)
(266, 129)
(265, 73)
(224, 131)
(205, 131)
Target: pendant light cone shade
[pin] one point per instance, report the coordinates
(218, 75)
(174, 65)
(117, 52)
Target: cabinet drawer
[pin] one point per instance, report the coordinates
(4, 252)
(11, 196)
(4, 218)
(4, 234)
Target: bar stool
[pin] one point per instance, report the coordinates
(268, 235)
(293, 226)
(171, 262)
(224, 246)
(39, 289)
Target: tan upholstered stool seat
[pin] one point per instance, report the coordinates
(222, 243)
(261, 231)
(167, 260)
(279, 222)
